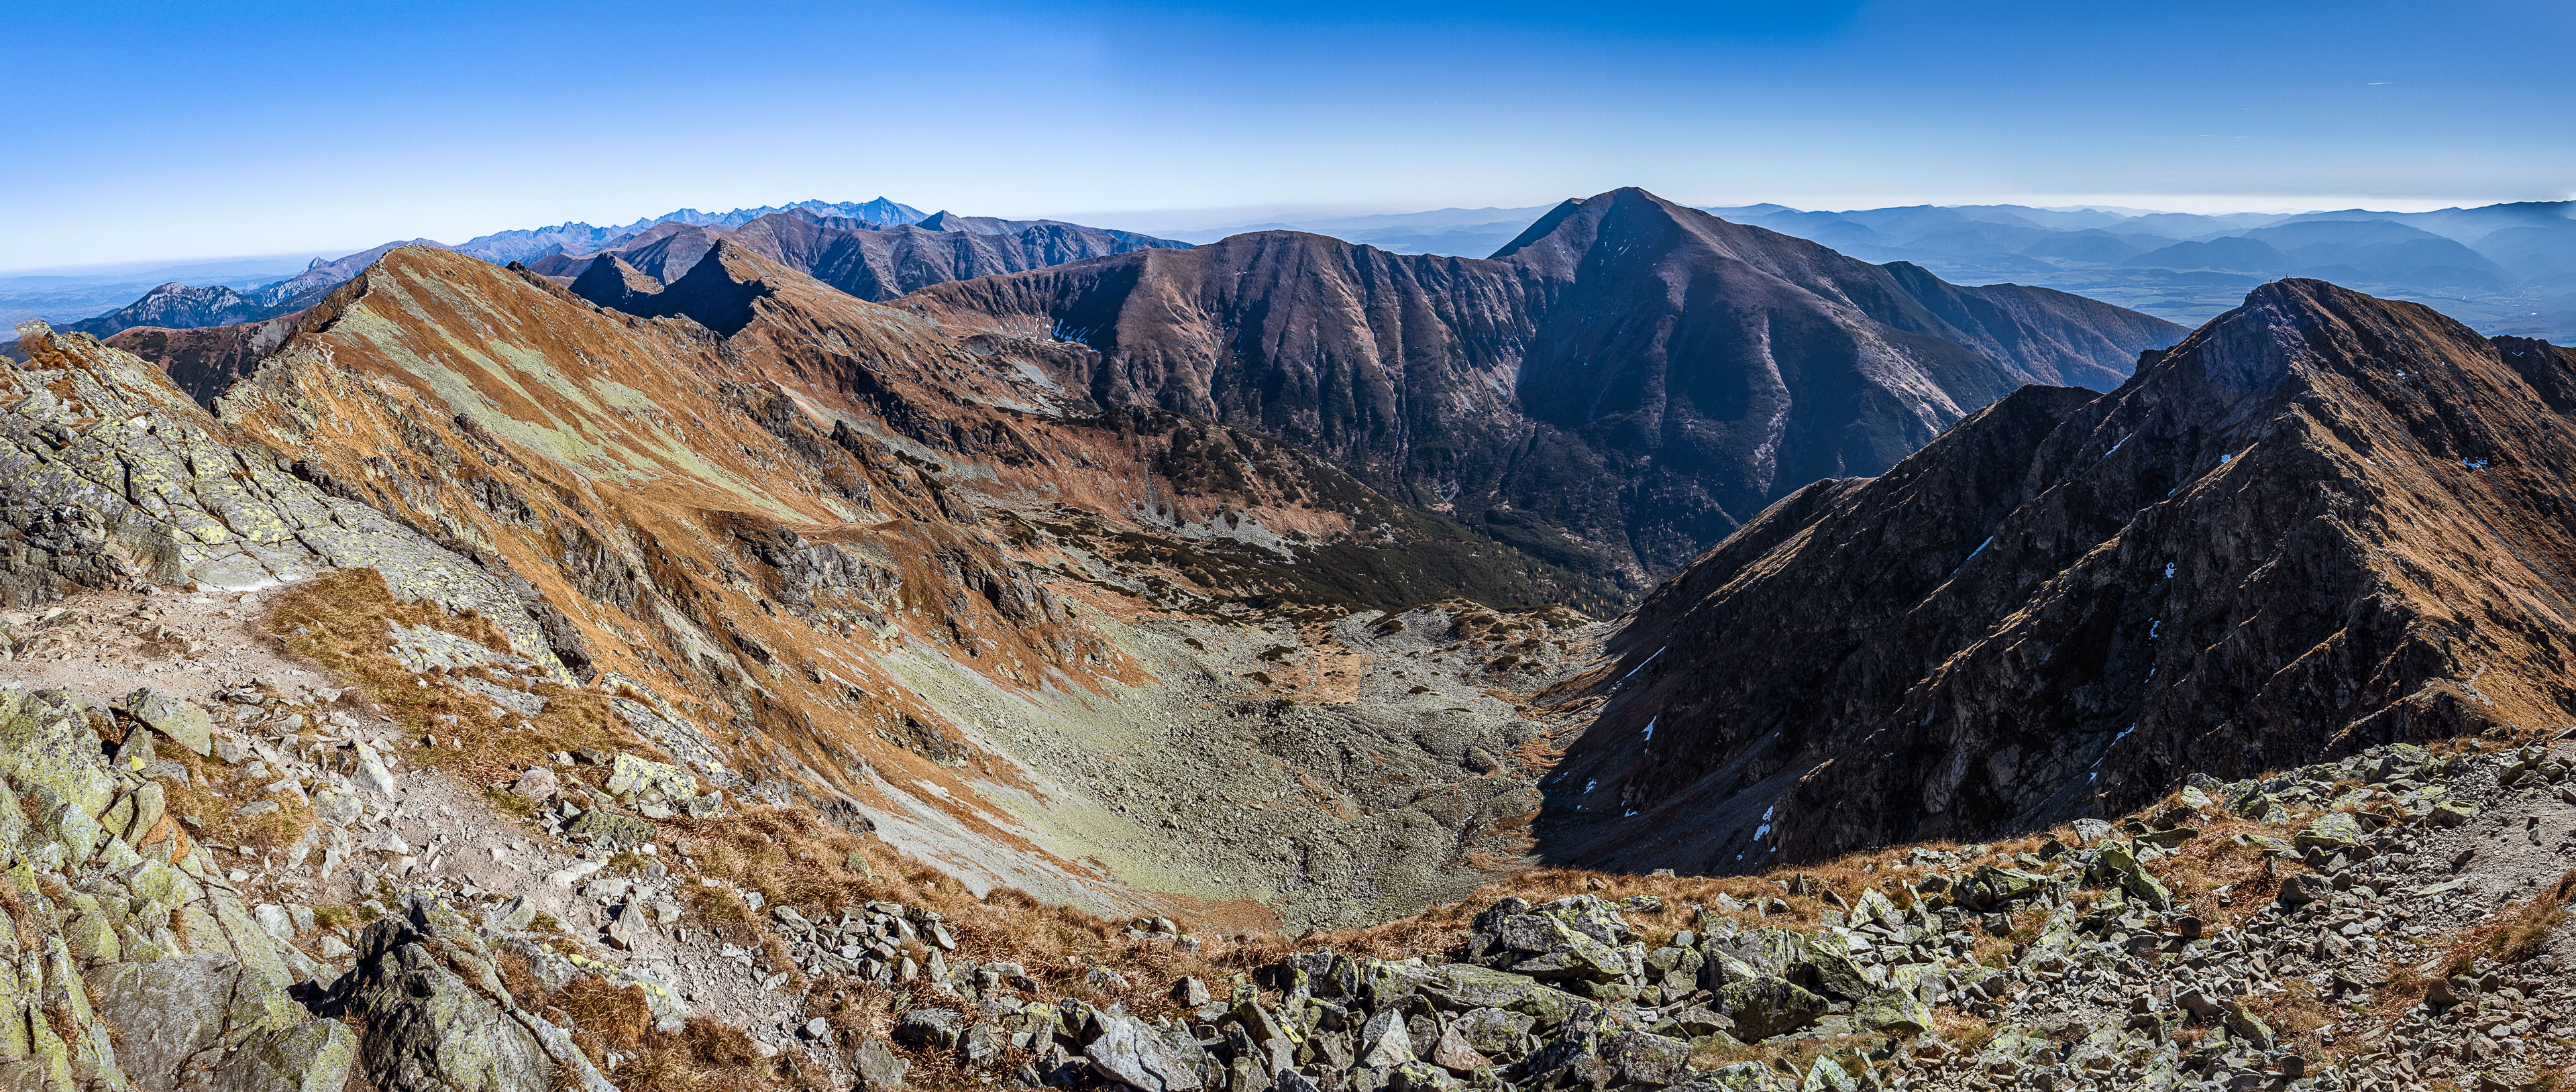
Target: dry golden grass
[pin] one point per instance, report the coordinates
(213, 809)
(348, 617)
(2516, 938)
(705, 1055)
(2215, 859)
(2295, 1015)
(1964, 1033)
(22, 922)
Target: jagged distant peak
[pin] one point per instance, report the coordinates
(880, 211)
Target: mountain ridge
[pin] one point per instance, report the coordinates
(2303, 530)
(1468, 382)
(180, 306)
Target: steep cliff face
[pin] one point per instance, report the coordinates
(2323, 521)
(1617, 389)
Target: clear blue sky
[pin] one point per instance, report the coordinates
(150, 130)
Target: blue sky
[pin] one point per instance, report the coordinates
(151, 131)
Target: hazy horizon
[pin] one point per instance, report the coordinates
(1178, 220)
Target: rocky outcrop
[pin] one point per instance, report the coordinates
(133, 964)
(2321, 522)
(110, 475)
(2202, 944)
(1617, 390)
(439, 1019)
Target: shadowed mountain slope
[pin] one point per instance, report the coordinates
(1617, 389)
(2323, 521)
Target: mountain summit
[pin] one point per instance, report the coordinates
(2323, 521)
(1617, 389)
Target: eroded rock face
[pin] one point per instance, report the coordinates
(438, 1017)
(2307, 528)
(131, 963)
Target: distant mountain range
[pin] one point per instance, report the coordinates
(922, 248)
(2506, 269)
(860, 257)
(580, 238)
(182, 306)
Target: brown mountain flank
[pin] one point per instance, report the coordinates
(913, 578)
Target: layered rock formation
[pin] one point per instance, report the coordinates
(133, 963)
(2321, 522)
(1616, 390)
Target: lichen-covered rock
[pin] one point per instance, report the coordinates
(184, 724)
(428, 1031)
(313, 1056)
(1768, 1006)
(1893, 1010)
(110, 474)
(643, 781)
(609, 828)
(1644, 1059)
(1828, 959)
(2333, 832)
(1493, 1031)
(1130, 1052)
(929, 1027)
(2119, 864)
(1465, 986)
(880, 1069)
(103, 991)
(431, 1028)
